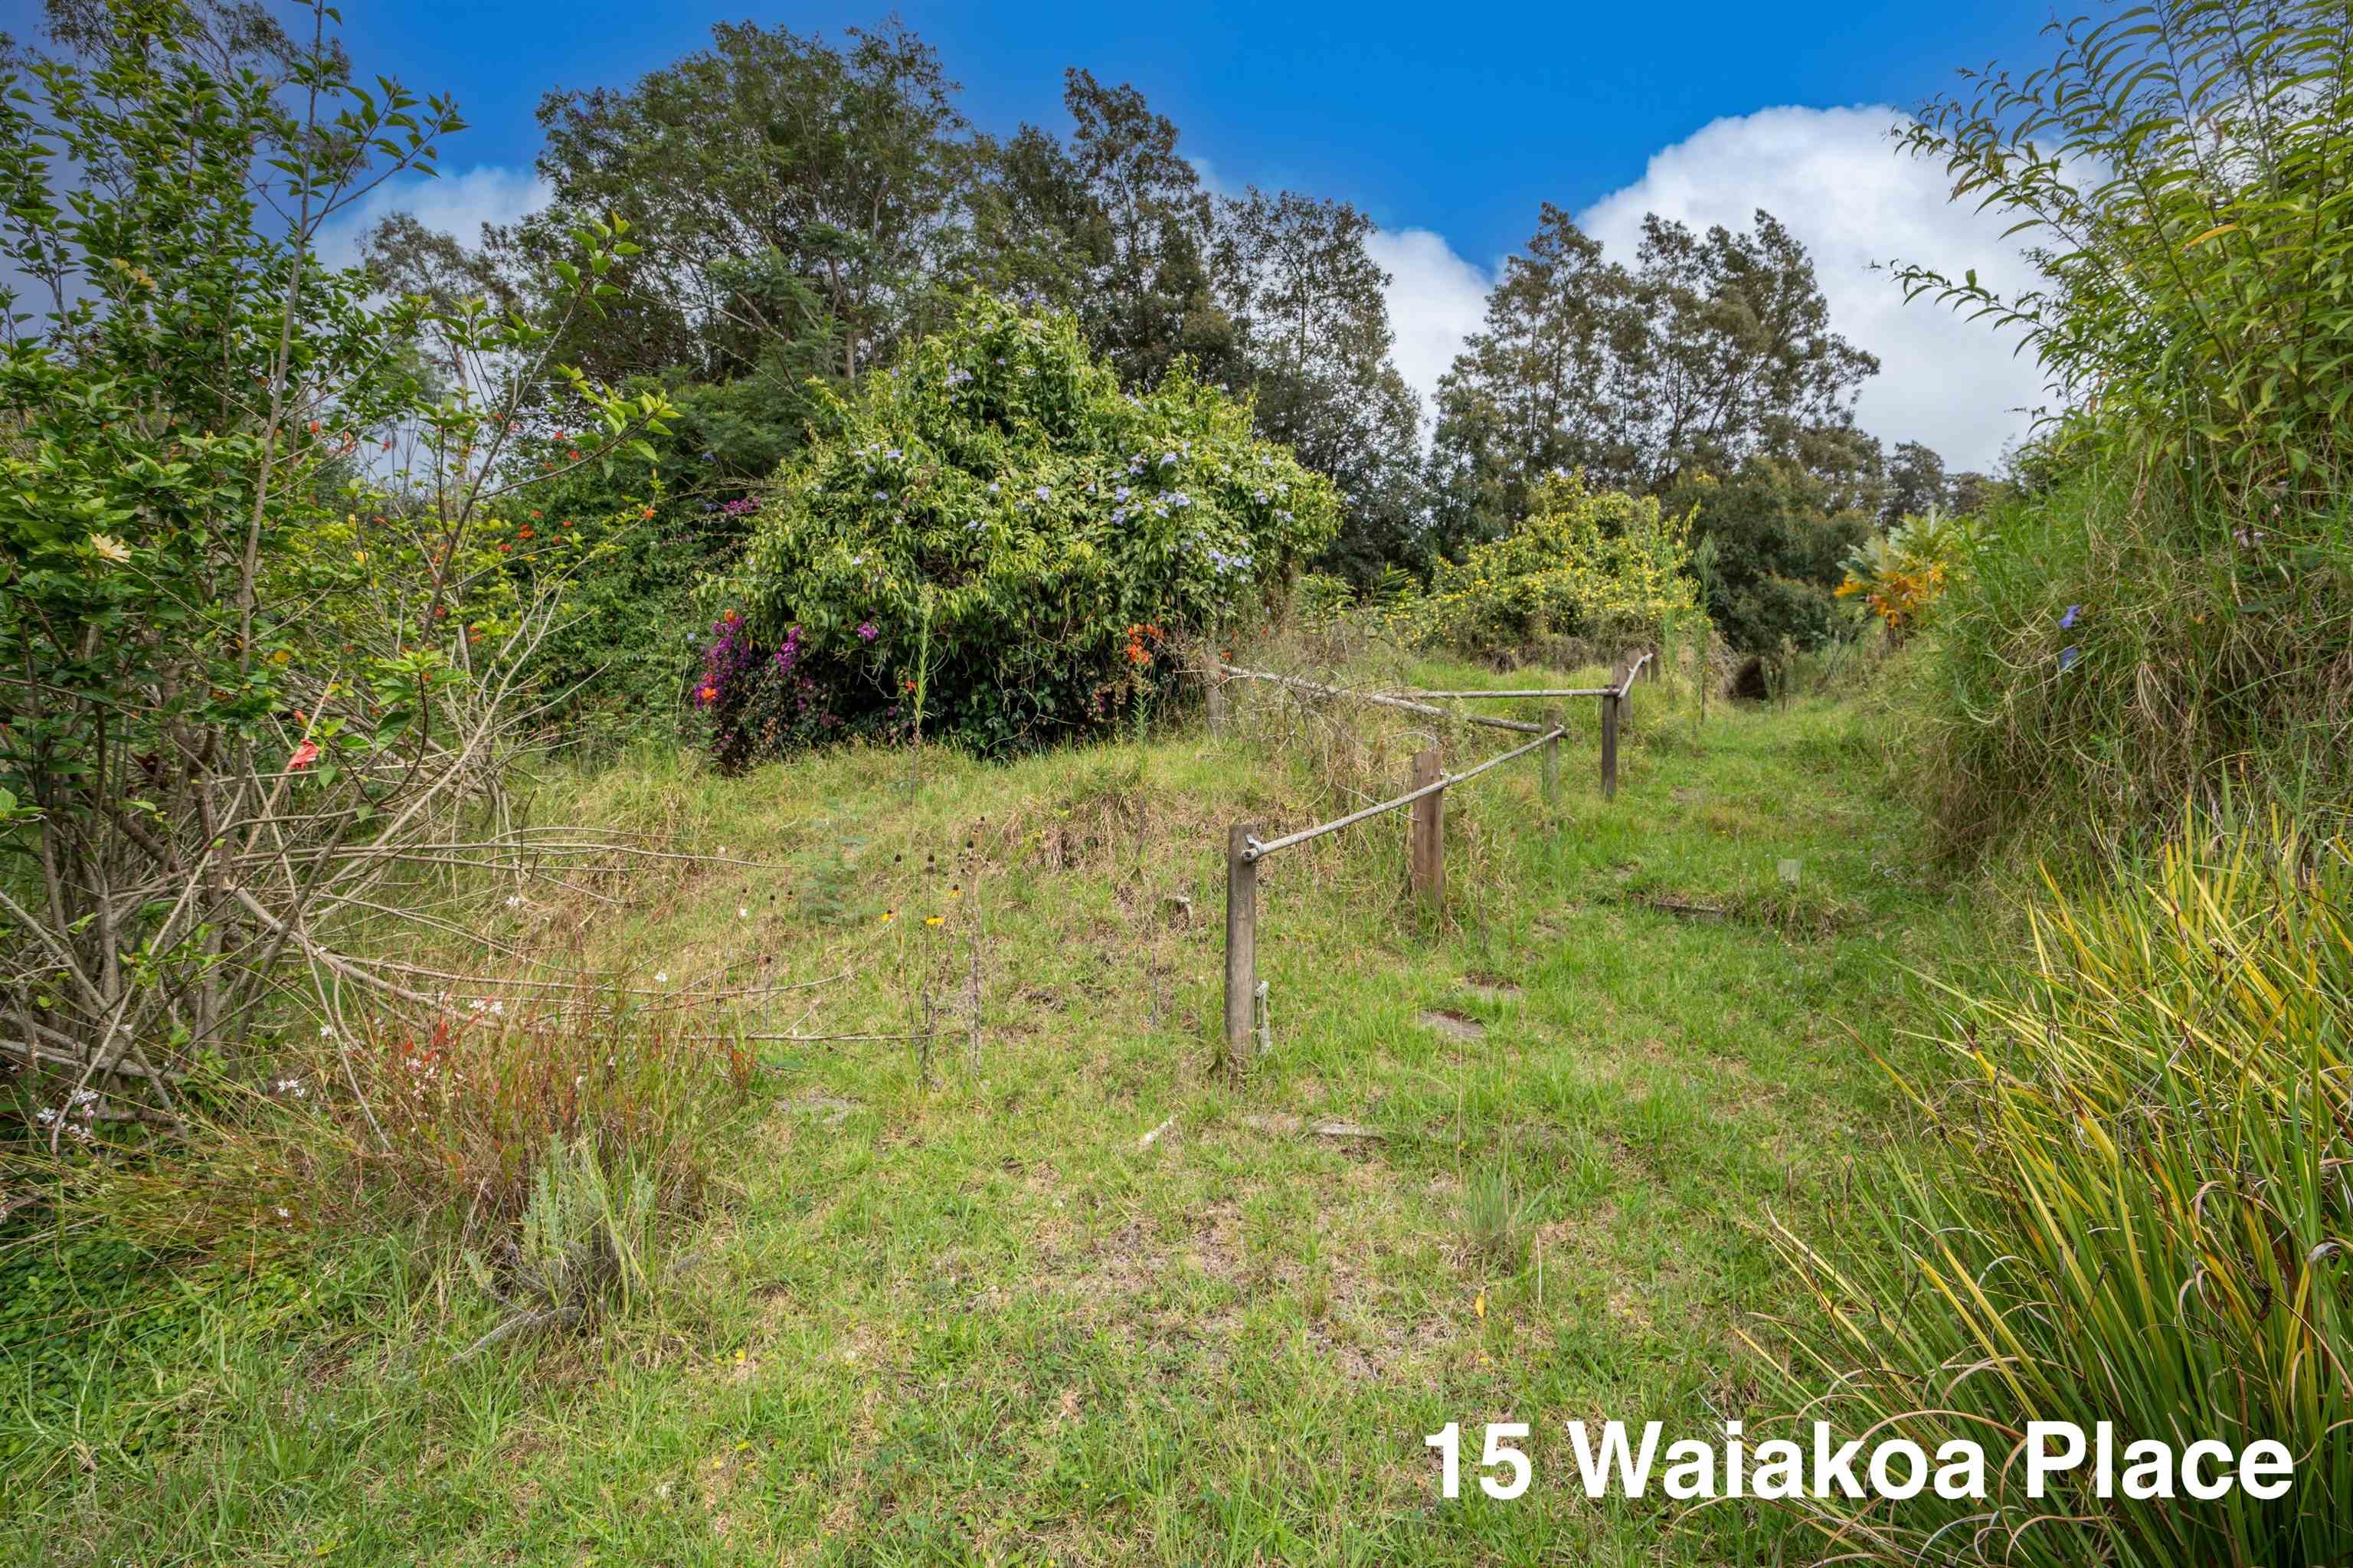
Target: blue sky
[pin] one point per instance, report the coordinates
(1459, 120)
(1447, 125)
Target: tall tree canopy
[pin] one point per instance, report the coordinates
(820, 203)
(1710, 350)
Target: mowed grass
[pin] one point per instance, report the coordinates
(954, 1309)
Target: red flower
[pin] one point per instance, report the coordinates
(304, 755)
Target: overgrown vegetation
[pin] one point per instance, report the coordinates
(1602, 567)
(2156, 1118)
(996, 545)
(2139, 1217)
(463, 737)
(252, 671)
(2170, 618)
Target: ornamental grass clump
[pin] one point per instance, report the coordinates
(987, 522)
(2149, 1226)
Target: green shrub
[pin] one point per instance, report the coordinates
(2156, 1121)
(992, 535)
(1593, 565)
(1780, 532)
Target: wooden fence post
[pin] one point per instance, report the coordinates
(1609, 745)
(1553, 718)
(1242, 950)
(1429, 838)
(1215, 698)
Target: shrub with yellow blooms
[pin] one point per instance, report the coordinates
(1599, 565)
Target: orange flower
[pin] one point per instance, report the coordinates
(304, 755)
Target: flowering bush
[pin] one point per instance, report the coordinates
(1903, 572)
(993, 533)
(1586, 564)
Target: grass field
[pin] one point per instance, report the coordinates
(952, 1307)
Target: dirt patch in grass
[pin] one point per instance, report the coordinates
(1454, 1024)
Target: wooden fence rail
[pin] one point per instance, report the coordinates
(1244, 849)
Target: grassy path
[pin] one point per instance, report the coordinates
(955, 1311)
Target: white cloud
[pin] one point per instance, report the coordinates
(1852, 199)
(1833, 178)
(1436, 299)
(456, 204)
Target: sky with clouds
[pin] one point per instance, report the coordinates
(1449, 139)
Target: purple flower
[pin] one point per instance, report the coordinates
(2067, 657)
(868, 632)
(1044, 493)
(2067, 622)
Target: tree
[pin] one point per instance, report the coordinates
(1738, 359)
(787, 174)
(246, 671)
(1535, 391)
(1713, 350)
(1782, 531)
(1916, 481)
(1147, 234)
(1307, 297)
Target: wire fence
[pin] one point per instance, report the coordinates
(1246, 994)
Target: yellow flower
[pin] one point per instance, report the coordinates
(110, 549)
(889, 916)
(932, 920)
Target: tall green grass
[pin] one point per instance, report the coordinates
(2208, 658)
(2148, 1220)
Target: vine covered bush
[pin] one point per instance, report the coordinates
(992, 540)
(1593, 565)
